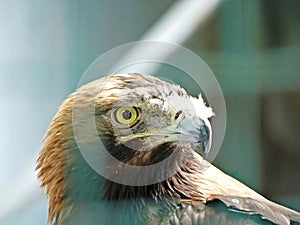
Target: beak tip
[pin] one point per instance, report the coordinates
(205, 150)
(205, 137)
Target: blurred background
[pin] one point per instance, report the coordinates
(252, 46)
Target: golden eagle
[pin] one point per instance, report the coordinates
(142, 122)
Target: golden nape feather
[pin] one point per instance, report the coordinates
(147, 169)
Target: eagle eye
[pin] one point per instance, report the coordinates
(126, 115)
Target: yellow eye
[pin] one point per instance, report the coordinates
(126, 115)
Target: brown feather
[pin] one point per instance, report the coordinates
(196, 183)
(51, 163)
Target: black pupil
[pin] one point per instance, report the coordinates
(126, 114)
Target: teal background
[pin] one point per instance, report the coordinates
(252, 46)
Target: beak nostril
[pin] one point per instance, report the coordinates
(177, 114)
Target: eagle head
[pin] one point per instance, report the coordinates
(140, 120)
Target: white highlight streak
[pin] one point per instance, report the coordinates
(176, 26)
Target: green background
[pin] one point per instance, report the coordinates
(252, 46)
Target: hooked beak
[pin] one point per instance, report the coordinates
(195, 130)
(205, 136)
